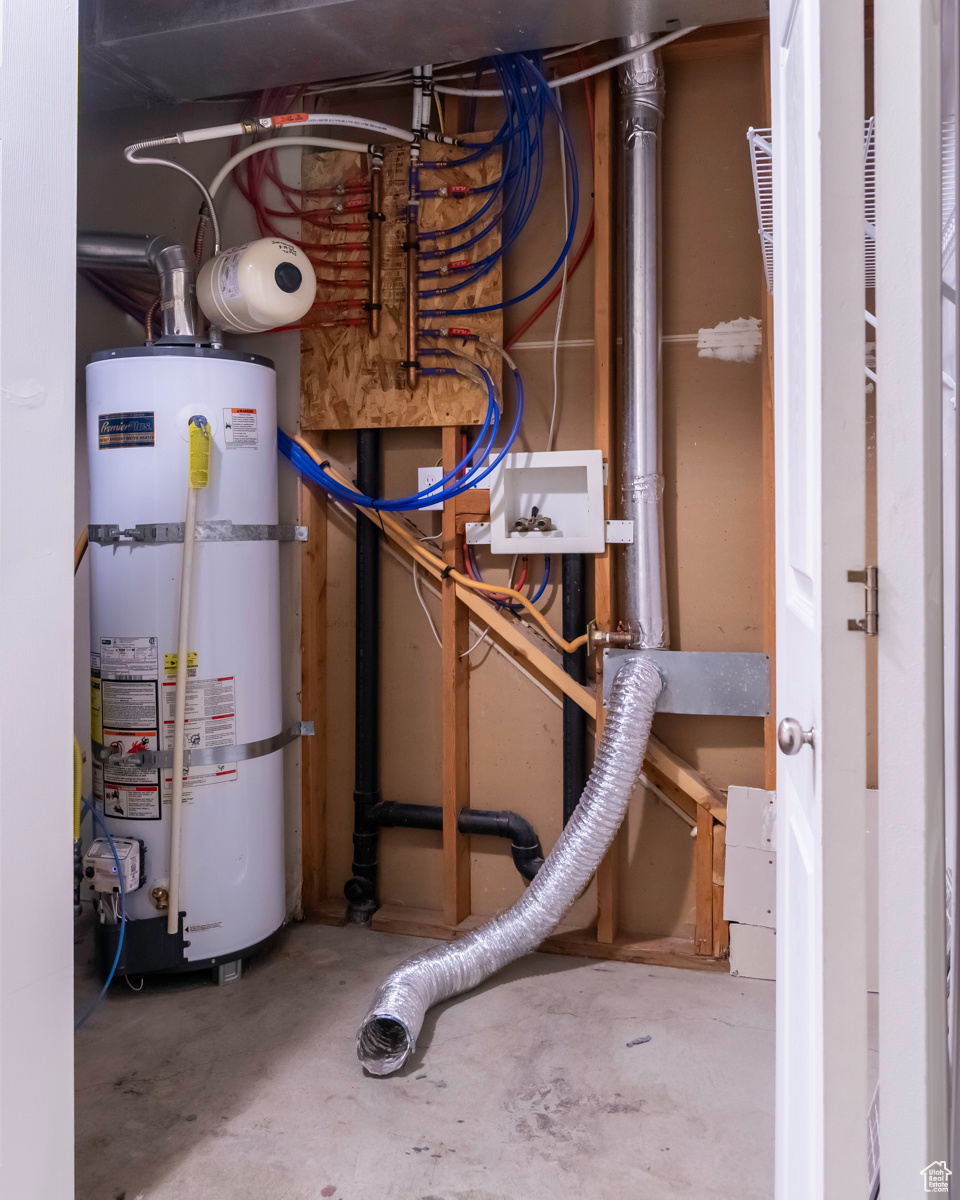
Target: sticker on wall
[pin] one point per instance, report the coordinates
(117, 430)
(240, 428)
(210, 722)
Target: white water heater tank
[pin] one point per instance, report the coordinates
(139, 402)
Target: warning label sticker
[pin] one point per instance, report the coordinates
(126, 429)
(129, 716)
(96, 708)
(140, 802)
(124, 746)
(129, 704)
(240, 428)
(211, 721)
(128, 658)
(170, 664)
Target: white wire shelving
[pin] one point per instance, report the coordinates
(760, 141)
(761, 162)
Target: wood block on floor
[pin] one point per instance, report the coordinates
(331, 911)
(577, 942)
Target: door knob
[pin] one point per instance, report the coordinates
(792, 737)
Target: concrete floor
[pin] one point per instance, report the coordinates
(533, 1086)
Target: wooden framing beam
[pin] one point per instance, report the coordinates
(704, 882)
(665, 768)
(721, 928)
(455, 717)
(608, 874)
(716, 41)
(313, 692)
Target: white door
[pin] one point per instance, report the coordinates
(817, 84)
(38, 136)
(912, 926)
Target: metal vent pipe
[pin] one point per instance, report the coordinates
(641, 583)
(175, 271)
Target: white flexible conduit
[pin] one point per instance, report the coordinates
(180, 708)
(388, 1033)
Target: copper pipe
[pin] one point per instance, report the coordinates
(376, 223)
(413, 233)
(149, 319)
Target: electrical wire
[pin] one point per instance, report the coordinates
(477, 455)
(275, 143)
(436, 565)
(423, 604)
(535, 78)
(552, 434)
(394, 79)
(130, 154)
(577, 258)
(563, 80)
(123, 916)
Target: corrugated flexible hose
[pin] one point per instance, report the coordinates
(388, 1033)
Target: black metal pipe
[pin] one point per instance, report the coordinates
(573, 571)
(524, 843)
(361, 889)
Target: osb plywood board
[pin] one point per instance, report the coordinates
(352, 381)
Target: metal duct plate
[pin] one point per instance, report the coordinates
(141, 51)
(702, 682)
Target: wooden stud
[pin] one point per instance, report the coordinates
(721, 928)
(672, 775)
(665, 768)
(455, 699)
(608, 874)
(715, 41)
(313, 693)
(628, 947)
(704, 882)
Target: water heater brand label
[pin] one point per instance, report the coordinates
(240, 428)
(126, 429)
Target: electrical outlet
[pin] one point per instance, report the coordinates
(427, 477)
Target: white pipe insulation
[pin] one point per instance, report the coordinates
(388, 1033)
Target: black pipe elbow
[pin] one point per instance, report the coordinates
(481, 822)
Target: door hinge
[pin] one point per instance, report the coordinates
(870, 621)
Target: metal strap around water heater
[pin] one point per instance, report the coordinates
(166, 533)
(163, 759)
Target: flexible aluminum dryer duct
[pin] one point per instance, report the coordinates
(388, 1033)
(641, 579)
